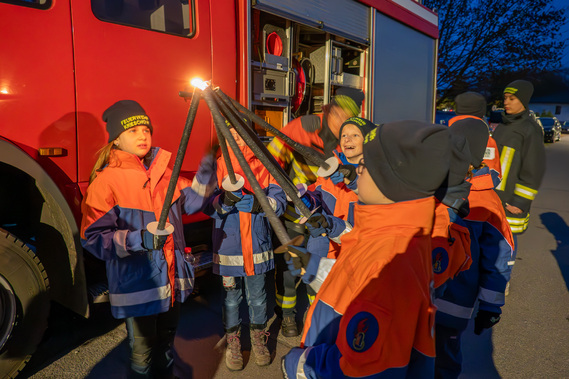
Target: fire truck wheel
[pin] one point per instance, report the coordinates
(24, 304)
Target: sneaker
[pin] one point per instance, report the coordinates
(259, 346)
(288, 327)
(233, 356)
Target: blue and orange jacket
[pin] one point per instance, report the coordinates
(369, 319)
(118, 205)
(491, 249)
(334, 200)
(242, 241)
(451, 244)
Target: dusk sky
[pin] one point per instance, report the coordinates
(564, 30)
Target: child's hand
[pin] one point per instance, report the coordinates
(151, 241)
(317, 225)
(337, 177)
(206, 170)
(249, 204)
(297, 259)
(230, 198)
(349, 172)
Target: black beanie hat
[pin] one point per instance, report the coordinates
(476, 133)
(349, 99)
(123, 115)
(470, 103)
(522, 89)
(407, 159)
(364, 125)
(460, 160)
(454, 192)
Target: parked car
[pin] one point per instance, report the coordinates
(442, 117)
(564, 126)
(551, 128)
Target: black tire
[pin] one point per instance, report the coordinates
(24, 304)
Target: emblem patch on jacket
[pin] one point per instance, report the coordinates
(440, 260)
(362, 331)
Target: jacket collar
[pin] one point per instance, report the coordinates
(509, 118)
(413, 213)
(159, 163)
(482, 180)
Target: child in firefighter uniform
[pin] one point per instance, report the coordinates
(470, 109)
(482, 286)
(147, 275)
(319, 132)
(373, 316)
(243, 253)
(334, 196)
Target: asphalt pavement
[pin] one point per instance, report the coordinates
(531, 340)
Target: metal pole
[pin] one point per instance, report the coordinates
(218, 119)
(262, 154)
(313, 156)
(179, 157)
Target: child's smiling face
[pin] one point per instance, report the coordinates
(352, 143)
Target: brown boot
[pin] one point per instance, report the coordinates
(233, 356)
(288, 327)
(259, 346)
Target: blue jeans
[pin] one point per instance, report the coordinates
(256, 299)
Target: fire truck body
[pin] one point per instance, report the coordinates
(64, 62)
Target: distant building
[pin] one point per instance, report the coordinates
(556, 103)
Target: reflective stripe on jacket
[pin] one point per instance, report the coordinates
(369, 319)
(118, 205)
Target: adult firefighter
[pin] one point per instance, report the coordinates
(522, 157)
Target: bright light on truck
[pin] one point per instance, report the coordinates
(197, 82)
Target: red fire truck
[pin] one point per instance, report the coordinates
(62, 63)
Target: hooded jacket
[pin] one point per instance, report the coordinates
(491, 249)
(369, 319)
(522, 159)
(242, 241)
(118, 205)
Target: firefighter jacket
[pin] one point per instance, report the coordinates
(369, 318)
(118, 205)
(491, 157)
(241, 240)
(491, 250)
(311, 131)
(522, 159)
(451, 244)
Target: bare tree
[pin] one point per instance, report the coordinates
(480, 38)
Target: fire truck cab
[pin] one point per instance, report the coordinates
(65, 62)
